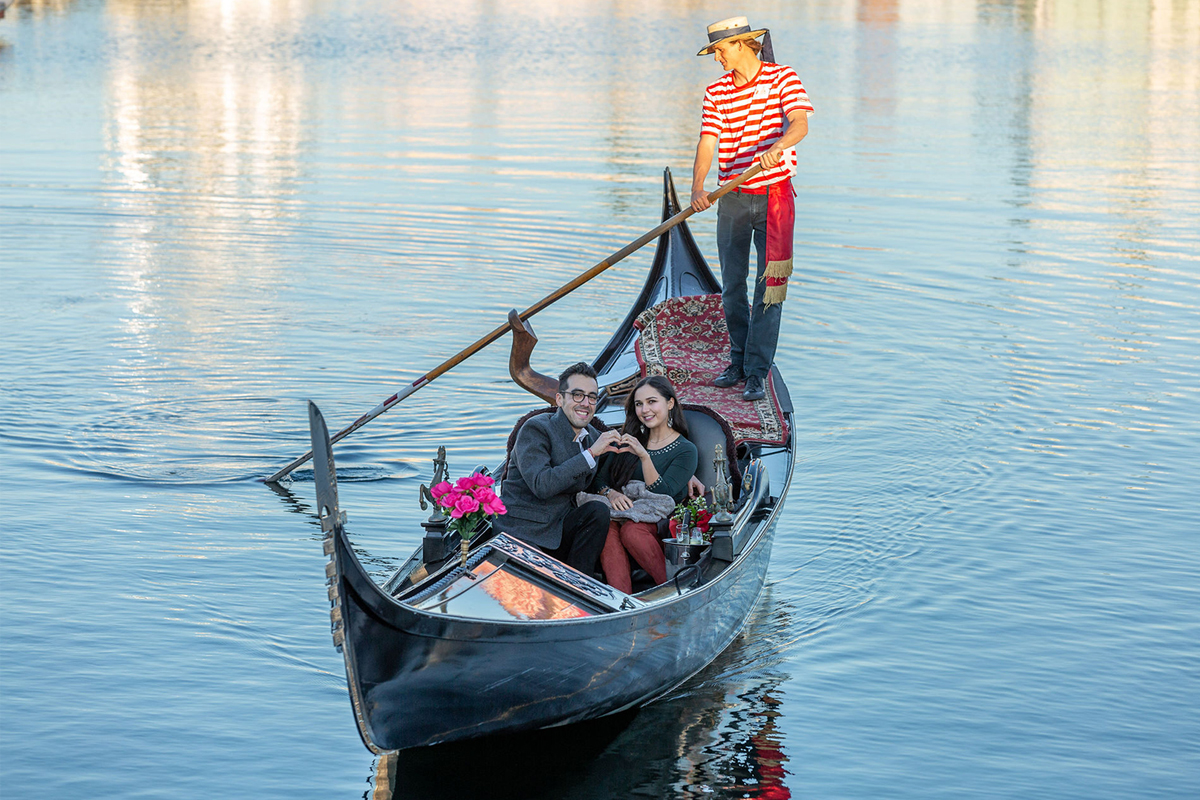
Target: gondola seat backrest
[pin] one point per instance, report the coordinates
(706, 430)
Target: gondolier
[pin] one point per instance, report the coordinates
(758, 111)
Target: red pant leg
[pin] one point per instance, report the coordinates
(614, 562)
(641, 540)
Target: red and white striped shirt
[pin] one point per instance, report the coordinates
(748, 119)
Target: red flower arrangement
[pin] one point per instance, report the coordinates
(468, 501)
(700, 516)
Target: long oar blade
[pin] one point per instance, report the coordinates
(500, 330)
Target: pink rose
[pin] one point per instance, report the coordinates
(466, 505)
(476, 481)
(494, 507)
(440, 489)
(449, 499)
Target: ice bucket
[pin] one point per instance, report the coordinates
(680, 554)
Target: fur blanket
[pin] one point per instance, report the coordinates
(648, 506)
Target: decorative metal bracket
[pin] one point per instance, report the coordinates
(440, 470)
(722, 491)
(722, 522)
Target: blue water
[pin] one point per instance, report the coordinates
(987, 579)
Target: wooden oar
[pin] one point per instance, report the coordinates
(500, 330)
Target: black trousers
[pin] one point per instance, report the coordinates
(583, 533)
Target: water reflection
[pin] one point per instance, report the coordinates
(35, 8)
(721, 735)
(203, 148)
(876, 57)
(1154, 120)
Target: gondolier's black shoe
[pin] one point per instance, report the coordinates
(732, 376)
(754, 389)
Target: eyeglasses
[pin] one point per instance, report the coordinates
(578, 395)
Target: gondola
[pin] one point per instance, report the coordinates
(506, 639)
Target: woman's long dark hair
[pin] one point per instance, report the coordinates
(625, 463)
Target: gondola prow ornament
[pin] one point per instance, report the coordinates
(331, 517)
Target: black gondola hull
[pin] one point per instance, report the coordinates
(423, 678)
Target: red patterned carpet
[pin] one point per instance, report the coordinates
(685, 339)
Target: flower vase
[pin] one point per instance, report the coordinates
(466, 545)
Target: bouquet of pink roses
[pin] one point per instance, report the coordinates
(468, 501)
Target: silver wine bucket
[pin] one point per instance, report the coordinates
(679, 555)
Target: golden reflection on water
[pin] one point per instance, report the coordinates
(202, 166)
(229, 122)
(1143, 119)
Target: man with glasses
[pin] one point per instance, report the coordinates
(555, 457)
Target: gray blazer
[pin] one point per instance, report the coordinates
(546, 468)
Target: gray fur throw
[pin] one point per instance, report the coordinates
(648, 506)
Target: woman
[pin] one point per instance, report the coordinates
(655, 450)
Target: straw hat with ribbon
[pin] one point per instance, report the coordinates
(737, 28)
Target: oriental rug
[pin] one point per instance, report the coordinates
(684, 338)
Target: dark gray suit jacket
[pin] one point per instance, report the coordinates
(546, 469)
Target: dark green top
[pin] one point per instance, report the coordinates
(676, 464)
